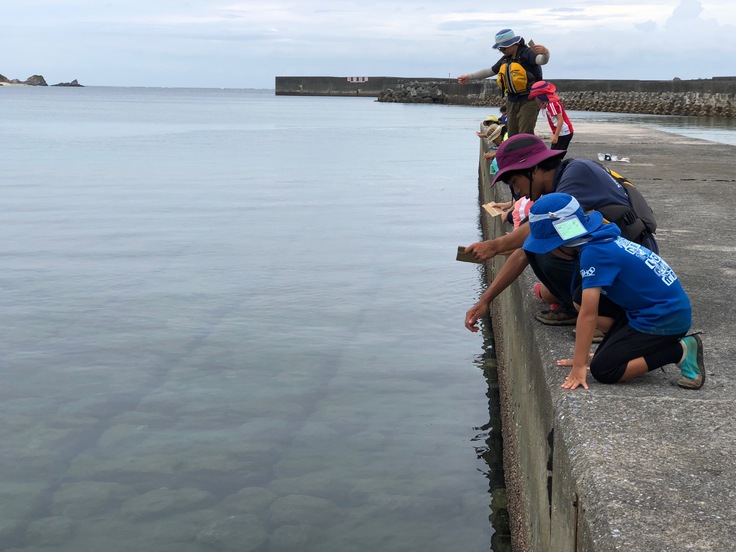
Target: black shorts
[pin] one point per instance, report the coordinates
(623, 343)
(560, 276)
(562, 142)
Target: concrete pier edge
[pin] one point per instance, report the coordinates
(642, 465)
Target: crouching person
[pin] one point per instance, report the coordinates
(628, 292)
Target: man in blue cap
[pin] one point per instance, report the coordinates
(628, 292)
(517, 70)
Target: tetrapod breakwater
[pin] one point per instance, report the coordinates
(714, 97)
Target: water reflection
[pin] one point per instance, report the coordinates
(489, 446)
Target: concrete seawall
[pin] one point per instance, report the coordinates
(703, 97)
(643, 465)
(340, 86)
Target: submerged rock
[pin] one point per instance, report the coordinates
(243, 533)
(50, 531)
(88, 498)
(163, 502)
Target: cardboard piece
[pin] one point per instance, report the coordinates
(493, 210)
(465, 257)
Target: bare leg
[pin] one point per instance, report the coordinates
(545, 295)
(635, 368)
(604, 323)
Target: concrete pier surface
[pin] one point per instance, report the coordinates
(643, 465)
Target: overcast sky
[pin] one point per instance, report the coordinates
(245, 44)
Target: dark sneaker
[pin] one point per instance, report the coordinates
(597, 336)
(692, 367)
(557, 317)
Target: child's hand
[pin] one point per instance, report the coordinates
(576, 378)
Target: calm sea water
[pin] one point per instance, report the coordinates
(234, 321)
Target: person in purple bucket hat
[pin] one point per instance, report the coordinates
(532, 170)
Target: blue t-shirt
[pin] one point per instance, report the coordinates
(639, 281)
(590, 184)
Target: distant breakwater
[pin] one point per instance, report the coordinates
(702, 97)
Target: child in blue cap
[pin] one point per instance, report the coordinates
(627, 291)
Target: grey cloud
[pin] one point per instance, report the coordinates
(646, 26)
(685, 12)
(466, 25)
(566, 11)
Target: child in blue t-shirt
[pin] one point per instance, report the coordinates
(628, 292)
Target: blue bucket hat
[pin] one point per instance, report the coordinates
(506, 38)
(558, 219)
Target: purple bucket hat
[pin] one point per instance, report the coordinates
(522, 151)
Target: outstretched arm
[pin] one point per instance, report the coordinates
(508, 274)
(488, 249)
(482, 74)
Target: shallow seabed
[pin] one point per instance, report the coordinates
(234, 322)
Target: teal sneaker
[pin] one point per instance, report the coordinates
(692, 367)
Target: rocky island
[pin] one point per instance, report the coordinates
(33, 80)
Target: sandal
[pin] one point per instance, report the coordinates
(557, 317)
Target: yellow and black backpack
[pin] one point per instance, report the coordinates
(513, 78)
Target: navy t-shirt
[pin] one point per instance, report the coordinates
(590, 184)
(639, 281)
(593, 187)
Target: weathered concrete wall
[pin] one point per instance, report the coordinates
(339, 86)
(703, 97)
(641, 465)
(527, 411)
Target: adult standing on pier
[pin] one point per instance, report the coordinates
(516, 71)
